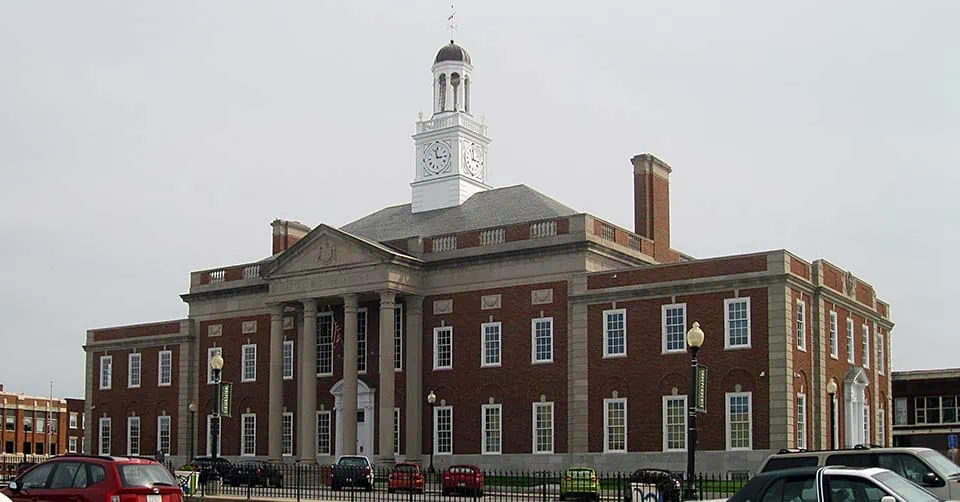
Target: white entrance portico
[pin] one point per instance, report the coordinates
(855, 393)
(366, 407)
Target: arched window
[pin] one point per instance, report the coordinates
(442, 92)
(466, 93)
(455, 83)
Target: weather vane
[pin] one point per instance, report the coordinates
(451, 22)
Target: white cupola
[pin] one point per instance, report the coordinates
(451, 147)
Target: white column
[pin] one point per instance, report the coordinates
(386, 391)
(349, 411)
(275, 397)
(414, 368)
(307, 423)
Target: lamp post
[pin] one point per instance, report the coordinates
(216, 364)
(694, 341)
(432, 399)
(193, 422)
(832, 391)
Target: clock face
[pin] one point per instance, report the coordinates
(474, 159)
(435, 159)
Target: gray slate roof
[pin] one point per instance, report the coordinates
(491, 208)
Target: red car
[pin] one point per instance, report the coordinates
(405, 476)
(465, 479)
(84, 478)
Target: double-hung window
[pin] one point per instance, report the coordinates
(163, 434)
(133, 436)
(443, 430)
(834, 344)
(362, 341)
(490, 348)
(543, 427)
(615, 333)
(866, 424)
(325, 344)
(673, 321)
(736, 316)
(801, 325)
(323, 433)
(928, 410)
(133, 369)
(492, 429)
(615, 425)
(802, 421)
(851, 350)
(398, 338)
(881, 427)
(396, 431)
(248, 435)
(286, 434)
(105, 433)
(866, 346)
(541, 340)
(739, 421)
(106, 372)
(249, 363)
(880, 356)
(288, 359)
(674, 423)
(164, 368)
(74, 419)
(443, 348)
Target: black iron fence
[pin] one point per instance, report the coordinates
(12, 464)
(296, 482)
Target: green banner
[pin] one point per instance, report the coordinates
(701, 389)
(226, 399)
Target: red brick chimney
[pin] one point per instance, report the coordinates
(286, 233)
(651, 203)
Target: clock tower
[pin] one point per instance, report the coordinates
(451, 147)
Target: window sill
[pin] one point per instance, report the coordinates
(614, 356)
(163, 385)
(133, 386)
(835, 357)
(288, 378)
(491, 453)
(669, 352)
(324, 375)
(605, 452)
(678, 450)
(398, 370)
(443, 368)
(498, 365)
(543, 452)
(542, 362)
(738, 347)
(802, 349)
(249, 381)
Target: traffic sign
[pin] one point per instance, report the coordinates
(952, 441)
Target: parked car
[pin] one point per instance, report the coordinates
(85, 478)
(832, 484)
(405, 476)
(462, 479)
(665, 486)
(254, 473)
(213, 468)
(925, 467)
(580, 483)
(352, 470)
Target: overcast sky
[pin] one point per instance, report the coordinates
(142, 140)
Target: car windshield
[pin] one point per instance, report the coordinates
(580, 473)
(905, 489)
(406, 468)
(134, 475)
(941, 463)
(353, 461)
(461, 470)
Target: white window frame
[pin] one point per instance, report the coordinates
(398, 338)
(881, 427)
(324, 347)
(865, 332)
(483, 344)
(286, 437)
(105, 436)
(436, 430)
(663, 328)
(607, 314)
(396, 432)
(243, 435)
(288, 355)
(484, 430)
(329, 439)
(835, 431)
(210, 353)
(536, 445)
(160, 365)
(106, 372)
(851, 342)
(898, 404)
(130, 436)
(161, 419)
(363, 339)
(801, 325)
(134, 383)
(533, 340)
(666, 441)
(606, 424)
(210, 420)
(802, 420)
(878, 346)
(72, 445)
(834, 335)
(866, 424)
(729, 435)
(243, 363)
(74, 420)
(436, 351)
(726, 323)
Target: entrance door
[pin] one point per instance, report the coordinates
(365, 432)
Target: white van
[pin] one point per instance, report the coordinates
(925, 467)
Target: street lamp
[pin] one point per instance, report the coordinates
(432, 399)
(694, 341)
(193, 422)
(216, 364)
(832, 390)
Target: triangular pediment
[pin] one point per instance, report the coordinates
(857, 376)
(326, 247)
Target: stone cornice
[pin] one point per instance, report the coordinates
(138, 342)
(684, 286)
(854, 306)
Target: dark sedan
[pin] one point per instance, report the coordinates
(255, 473)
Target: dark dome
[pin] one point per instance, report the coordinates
(452, 52)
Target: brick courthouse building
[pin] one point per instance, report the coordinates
(549, 336)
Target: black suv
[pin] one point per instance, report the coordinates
(254, 473)
(352, 470)
(213, 468)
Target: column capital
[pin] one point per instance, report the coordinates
(350, 302)
(388, 298)
(276, 309)
(414, 303)
(309, 306)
